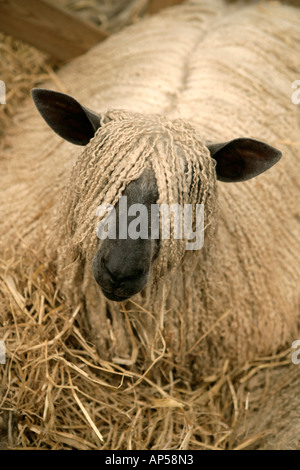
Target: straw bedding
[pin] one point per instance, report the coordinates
(21, 68)
(176, 366)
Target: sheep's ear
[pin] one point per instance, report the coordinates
(68, 118)
(242, 159)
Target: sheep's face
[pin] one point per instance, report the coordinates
(131, 159)
(145, 171)
(121, 266)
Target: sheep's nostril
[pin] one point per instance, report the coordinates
(106, 270)
(140, 273)
(128, 280)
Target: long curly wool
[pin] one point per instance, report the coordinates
(125, 144)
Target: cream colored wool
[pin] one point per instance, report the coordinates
(122, 148)
(239, 296)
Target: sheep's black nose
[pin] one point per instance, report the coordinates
(118, 274)
(118, 278)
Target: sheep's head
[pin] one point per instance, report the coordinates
(146, 160)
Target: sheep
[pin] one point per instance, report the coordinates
(122, 267)
(217, 107)
(252, 283)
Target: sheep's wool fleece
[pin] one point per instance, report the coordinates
(124, 145)
(229, 75)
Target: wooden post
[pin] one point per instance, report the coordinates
(48, 27)
(157, 5)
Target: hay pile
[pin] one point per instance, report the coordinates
(64, 396)
(62, 391)
(21, 68)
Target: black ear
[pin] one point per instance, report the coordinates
(242, 159)
(66, 116)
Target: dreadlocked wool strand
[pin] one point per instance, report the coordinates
(146, 140)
